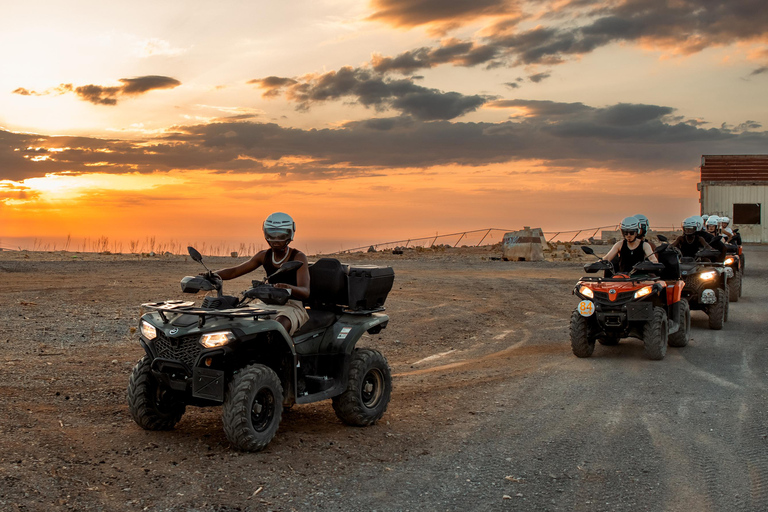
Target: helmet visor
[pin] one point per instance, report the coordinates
(277, 235)
(689, 230)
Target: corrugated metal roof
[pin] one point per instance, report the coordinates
(734, 168)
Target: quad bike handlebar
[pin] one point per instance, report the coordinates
(261, 289)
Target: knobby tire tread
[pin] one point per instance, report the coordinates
(140, 394)
(236, 413)
(655, 335)
(581, 345)
(349, 406)
(683, 335)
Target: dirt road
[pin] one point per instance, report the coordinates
(490, 410)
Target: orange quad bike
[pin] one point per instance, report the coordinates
(644, 304)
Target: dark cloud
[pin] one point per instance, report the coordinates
(512, 85)
(576, 28)
(447, 13)
(539, 77)
(458, 53)
(623, 136)
(759, 71)
(272, 85)
(748, 126)
(372, 89)
(108, 95)
(142, 84)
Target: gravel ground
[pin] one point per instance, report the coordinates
(490, 410)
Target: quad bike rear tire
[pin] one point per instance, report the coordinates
(581, 344)
(655, 335)
(734, 287)
(727, 302)
(369, 387)
(716, 311)
(683, 335)
(253, 408)
(152, 407)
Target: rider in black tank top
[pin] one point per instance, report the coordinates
(271, 268)
(628, 258)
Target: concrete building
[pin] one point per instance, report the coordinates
(736, 186)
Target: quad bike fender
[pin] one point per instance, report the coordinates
(674, 291)
(347, 331)
(339, 341)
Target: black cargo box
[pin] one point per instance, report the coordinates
(368, 286)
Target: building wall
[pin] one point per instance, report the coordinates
(719, 199)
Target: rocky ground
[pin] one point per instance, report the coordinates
(490, 410)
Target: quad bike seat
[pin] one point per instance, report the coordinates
(327, 284)
(318, 319)
(327, 289)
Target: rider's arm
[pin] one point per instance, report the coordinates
(301, 289)
(649, 253)
(613, 252)
(249, 266)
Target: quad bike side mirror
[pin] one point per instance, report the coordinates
(587, 250)
(662, 238)
(195, 254)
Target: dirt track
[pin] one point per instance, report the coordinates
(490, 410)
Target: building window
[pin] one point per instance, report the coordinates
(746, 213)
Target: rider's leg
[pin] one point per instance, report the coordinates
(285, 322)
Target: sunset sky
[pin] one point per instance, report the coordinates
(367, 120)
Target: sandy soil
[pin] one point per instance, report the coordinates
(490, 410)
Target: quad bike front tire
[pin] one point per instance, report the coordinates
(152, 407)
(581, 344)
(253, 408)
(716, 311)
(655, 335)
(369, 387)
(727, 302)
(734, 287)
(683, 335)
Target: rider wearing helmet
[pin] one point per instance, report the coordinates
(279, 229)
(691, 241)
(645, 226)
(724, 229)
(632, 249)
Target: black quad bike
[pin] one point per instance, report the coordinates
(228, 352)
(706, 286)
(644, 304)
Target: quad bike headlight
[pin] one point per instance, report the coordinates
(587, 292)
(642, 292)
(217, 339)
(706, 276)
(148, 330)
(729, 261)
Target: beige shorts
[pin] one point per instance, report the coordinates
(293, 310)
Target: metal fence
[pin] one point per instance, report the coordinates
(490, 236)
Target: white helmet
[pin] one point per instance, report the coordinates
(704, 217)
(630, 224)
(644, 223)
(699, 222)
(713, 220)
(725, 221)
(691, 225)
(279, 227)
